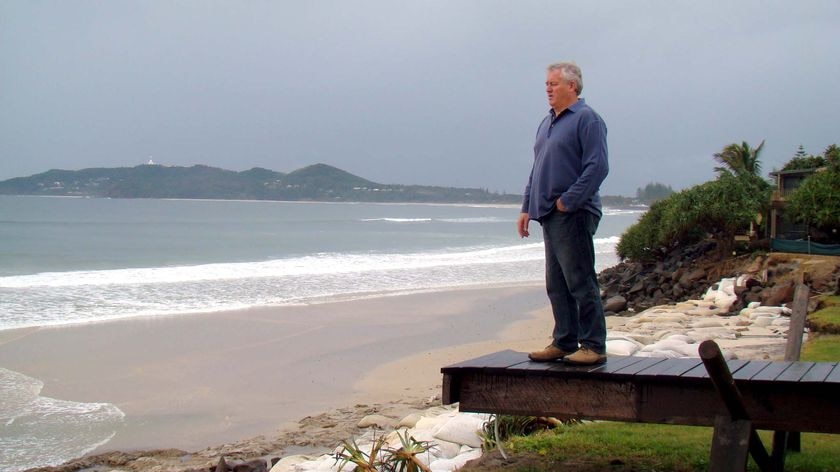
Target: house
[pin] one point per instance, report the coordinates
(785, 234)
(786, 182)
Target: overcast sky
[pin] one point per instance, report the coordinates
(423, 92)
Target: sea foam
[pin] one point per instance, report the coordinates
(38, 431)
(57, 298)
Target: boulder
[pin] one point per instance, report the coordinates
(615, 304)
(778, 294)
(692, 276)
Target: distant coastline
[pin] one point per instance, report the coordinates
(315, 183)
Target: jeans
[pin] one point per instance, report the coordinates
(571, 281)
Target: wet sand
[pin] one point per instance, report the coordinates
(194, 381)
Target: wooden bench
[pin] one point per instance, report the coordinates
(789, 396)
(778, 396)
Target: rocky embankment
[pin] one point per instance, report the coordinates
(688, 272)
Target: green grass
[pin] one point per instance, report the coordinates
(642, 447)
(607, 445)
(826, 319)
(822, 348)
(824, 345)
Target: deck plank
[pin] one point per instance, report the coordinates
(672, 368)
(501, 359)
(615, 364)
(771, 372)
(834, 376)
(795, 372)
(700, 371)
(750, 370)
(646, 362)
(532, 366)
(818, 373)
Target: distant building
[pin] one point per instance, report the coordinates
(786, 182)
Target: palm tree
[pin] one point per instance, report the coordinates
(739, 159)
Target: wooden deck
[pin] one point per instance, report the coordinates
(784, 396)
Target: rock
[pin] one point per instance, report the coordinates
(256, 465)
(615, 304)
(691, 277)
(638, 287)
(779, 294)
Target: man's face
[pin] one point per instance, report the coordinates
(561, 93)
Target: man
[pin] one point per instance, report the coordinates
(570, 162)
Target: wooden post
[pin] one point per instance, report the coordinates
(730, 444)
(725, 385)
(792, 440)
(797, 322)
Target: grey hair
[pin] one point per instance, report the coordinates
(570, 72)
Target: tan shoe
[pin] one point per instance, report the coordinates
(550, 353)
(584, 356)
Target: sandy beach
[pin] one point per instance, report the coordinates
(194, 381)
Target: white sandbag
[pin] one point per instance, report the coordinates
(772, 310)
(444, 449)
(289, 463)
(624, 337)
(409, 421)
(432, 422)
(707, 324)
(681, 337)
(665, 353)
(727, 286)
(670, 343)
(621, 347)
(462, 429)
(764, 320)
(380, 421)
(705, 334)
(448, 465)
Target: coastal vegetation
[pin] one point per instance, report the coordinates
(719, 208)
(816, 202)
(652, 192)
(736, 200)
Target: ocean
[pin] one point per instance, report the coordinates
(79, 260)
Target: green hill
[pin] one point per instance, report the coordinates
(319, 182)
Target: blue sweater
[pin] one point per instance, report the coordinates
(570, 162)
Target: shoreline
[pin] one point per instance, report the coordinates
(198, 381)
